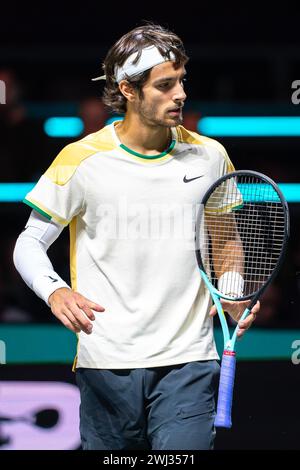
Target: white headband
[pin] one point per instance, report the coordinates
(150, 57)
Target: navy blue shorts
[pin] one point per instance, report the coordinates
(170, 407)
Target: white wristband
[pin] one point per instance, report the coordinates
(231, 283)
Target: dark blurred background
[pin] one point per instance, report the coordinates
(243, 61)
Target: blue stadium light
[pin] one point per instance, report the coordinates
(257, 192)
(291, 191)
(113, 119)
(63, 126)
(15, 192)
(250, 126)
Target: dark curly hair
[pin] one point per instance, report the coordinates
(135, 41)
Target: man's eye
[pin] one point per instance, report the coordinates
(164, 85)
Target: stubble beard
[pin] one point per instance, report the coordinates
(149, 117)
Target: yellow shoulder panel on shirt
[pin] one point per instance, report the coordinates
(68, 160)
(191, 137)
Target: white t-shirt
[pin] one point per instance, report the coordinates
(132, 245)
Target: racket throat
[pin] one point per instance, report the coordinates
(229, 346)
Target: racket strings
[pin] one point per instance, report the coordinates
(243, 228)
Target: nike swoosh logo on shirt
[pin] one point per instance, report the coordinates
(185, 180)
(52, 279)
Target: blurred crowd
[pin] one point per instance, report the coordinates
(26, 152)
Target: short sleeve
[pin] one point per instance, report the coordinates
(227, 196)
(226, 165)
(59, 193)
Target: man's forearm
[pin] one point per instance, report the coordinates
(31, 259)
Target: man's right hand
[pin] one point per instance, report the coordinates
(73, 309)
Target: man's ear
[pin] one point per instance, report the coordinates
(127, 91)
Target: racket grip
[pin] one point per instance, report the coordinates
(223, 417)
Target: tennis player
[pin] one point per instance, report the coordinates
(146, 365)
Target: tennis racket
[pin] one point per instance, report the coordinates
(242, 230)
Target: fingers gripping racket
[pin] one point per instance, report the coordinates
(242, 230)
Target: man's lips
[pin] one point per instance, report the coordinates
(175, 111)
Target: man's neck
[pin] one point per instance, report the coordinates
(142, 138)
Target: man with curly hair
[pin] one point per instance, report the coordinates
(146, 364)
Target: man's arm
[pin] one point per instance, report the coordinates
(227, 250)
(228, 262)
(33, 264)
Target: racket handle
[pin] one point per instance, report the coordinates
(223, 417)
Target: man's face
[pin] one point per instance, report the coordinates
(163, 96)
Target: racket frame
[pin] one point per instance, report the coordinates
(223, 417)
